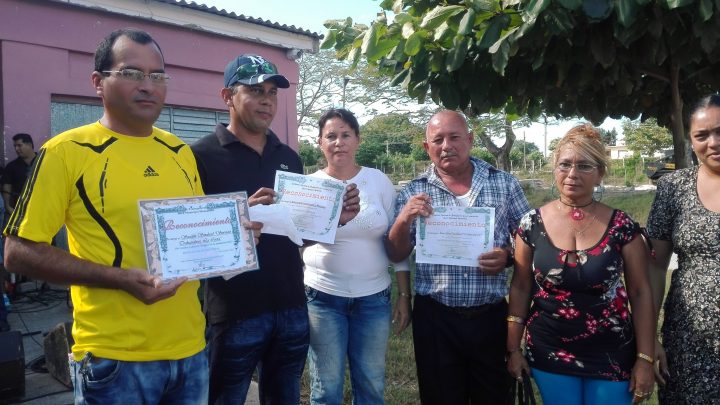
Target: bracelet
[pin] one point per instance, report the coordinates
(511, 351)
(645, 357)
(516, 319)
(404, 294)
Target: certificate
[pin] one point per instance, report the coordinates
(455, 235)
(198, 237)
(315, 204)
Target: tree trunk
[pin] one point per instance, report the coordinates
(501, 154)
(676, 121)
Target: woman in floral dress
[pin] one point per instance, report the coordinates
(685, 218)
(583, 345)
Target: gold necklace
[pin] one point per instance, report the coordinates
(585, 228)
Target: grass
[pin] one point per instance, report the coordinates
(401, 386)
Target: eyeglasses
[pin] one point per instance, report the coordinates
(581, 167)
(248, 70)
(138, 75)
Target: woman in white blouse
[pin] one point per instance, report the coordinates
(347, 283)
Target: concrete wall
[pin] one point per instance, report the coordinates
(46, 52)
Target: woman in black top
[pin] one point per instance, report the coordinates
(571, 254)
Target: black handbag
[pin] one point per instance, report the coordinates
(521, 392)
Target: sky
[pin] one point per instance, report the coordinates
(311, 14)
(306, 14)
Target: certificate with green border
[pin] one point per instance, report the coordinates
(315, 204)
(198, 237)
(455, 235)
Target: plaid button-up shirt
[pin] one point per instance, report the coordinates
(461, 286)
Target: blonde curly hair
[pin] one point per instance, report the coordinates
(586, 141)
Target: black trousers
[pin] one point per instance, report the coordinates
(460, 353)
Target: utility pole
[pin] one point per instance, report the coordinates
(345, 83)
(545, 140)
(524, 158)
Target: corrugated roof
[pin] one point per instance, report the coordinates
(267, 23)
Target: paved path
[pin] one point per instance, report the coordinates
(34, 315)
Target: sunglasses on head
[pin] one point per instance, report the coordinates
(249, 70)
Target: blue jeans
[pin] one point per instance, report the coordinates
(352, 328)
(105, 381)
(274, 342)
(560, 389)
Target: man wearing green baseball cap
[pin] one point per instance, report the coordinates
(258, 318)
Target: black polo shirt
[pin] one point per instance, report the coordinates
(226, 165)
(15, 174)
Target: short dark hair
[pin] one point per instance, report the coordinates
(103, 53)
(24, 138)
(341, 113)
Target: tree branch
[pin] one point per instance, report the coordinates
(656, 75)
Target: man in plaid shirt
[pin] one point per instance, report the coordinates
(459, 312)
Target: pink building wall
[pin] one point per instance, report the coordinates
(46, 51)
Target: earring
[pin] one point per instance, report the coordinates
(598, 192)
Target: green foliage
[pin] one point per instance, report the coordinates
(309, 153)
(646, 138)
(568, 57)
(523, 153)
(370, 148)
(536, 156)
(388, 135)
(553, 144)
(628, 172)
(526, 147)
(397, 128)
(516, 157)
(609, 137)
(418, 153)
(484, 154)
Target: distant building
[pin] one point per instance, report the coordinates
(618, 152)
(46, 58)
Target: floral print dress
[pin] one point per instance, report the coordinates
(579, 323)
(691, 327)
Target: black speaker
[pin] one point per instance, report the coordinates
(12, 364)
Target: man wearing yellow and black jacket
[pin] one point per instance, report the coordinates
(137, 340)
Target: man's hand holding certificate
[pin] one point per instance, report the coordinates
(315, 204)
(198, 237)
(455, 235)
